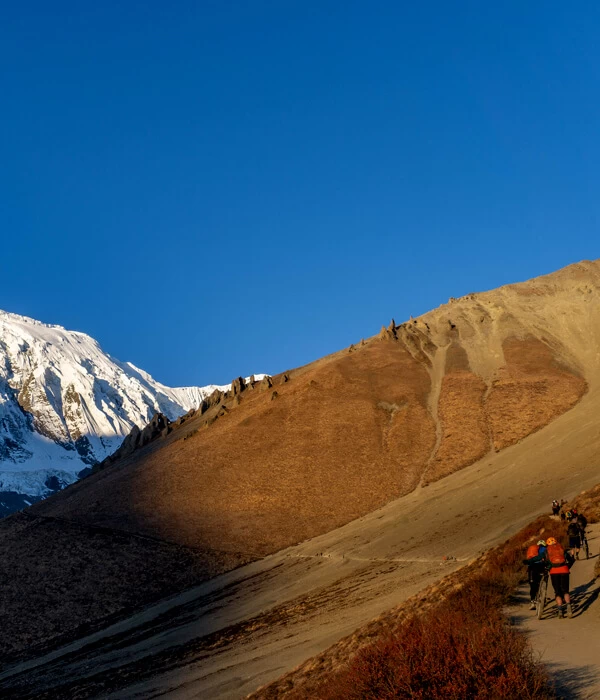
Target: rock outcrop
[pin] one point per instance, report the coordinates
(159, 426)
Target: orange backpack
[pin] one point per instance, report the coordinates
(532, 551)
(556, 555)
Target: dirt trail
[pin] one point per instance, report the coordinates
(570, 648)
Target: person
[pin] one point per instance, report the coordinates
(582, 522)
(574, 533)
(560, 563)
(555, 507)
(536, 564)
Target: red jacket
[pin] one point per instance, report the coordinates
(555, 551)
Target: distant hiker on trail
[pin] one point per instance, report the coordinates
(536, 564)
(560, 563)
(555, 507)
(574, 533)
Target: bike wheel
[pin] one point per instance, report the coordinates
(540, 601)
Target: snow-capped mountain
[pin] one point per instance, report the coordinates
(65, 405)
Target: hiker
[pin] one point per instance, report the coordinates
(536, 564)
(560, 563)
(555, 507)
(574, 534)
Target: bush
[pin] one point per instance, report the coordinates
(445, 656)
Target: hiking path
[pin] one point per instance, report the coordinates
(569, 648)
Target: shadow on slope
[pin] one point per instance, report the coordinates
(61, 579)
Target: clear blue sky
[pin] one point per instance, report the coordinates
(216, 188)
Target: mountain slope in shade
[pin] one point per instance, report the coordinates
(65, 405)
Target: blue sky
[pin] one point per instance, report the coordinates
(213, 189)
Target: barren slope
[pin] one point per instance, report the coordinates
(357, 429)
(488, 381)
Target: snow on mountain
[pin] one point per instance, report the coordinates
(65, 404)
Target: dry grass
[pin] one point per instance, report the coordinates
(588, 503)
(443, 656)
(531, 391)
(465, 433)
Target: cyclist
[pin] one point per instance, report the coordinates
(535, 568)
(574, 533)
(555, 507)
(560, 563)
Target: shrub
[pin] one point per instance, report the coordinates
(444, 656)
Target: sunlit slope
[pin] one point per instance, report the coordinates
(336, 439)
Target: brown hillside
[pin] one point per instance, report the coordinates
(356, 429)
(269, 466)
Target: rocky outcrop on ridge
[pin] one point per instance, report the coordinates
(160, 426)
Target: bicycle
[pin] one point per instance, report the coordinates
(584, 544)
(540, 598)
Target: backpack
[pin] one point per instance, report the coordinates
(556, 555)
(532, 551)
(573, 529)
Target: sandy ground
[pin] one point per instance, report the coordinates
(570, 648)
(241, 630)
